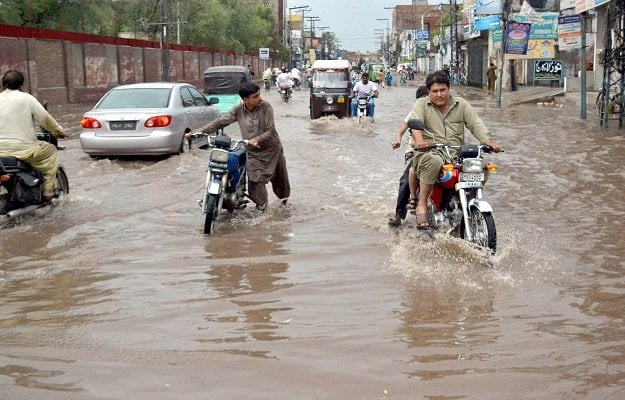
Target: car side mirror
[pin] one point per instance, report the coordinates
(213, 100)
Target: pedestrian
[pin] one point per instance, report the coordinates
(491, 76)
(18, 113)
(265, 156)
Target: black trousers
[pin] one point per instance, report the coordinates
(403, 194)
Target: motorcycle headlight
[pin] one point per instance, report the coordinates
(219, 156)
(472, 165)
(329, 100)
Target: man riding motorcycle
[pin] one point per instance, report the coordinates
(364, 89)
(446, 117)
(296, 75)
(18, 112)
(284, 80)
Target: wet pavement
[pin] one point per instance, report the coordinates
(116, 294)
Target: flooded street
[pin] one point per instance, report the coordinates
(117, 294)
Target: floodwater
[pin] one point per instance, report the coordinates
(116, 294)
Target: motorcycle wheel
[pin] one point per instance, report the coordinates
(212, 201)
(4, 203)
(62, 182)
(483, 228)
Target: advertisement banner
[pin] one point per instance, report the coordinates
(517, 37)
(487, 7)
(569, 32)
(487, 23)
(548, 70)
(546, 27)
(537, 49)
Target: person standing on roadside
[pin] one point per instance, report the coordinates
(18, 113)
(491, 76)
(265, 156)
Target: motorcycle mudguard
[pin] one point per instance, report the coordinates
(214, 186)
(481, 205)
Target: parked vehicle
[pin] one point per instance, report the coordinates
(457, 204)
(223, 82)
(330, 89)
(21, 187)
(226, 176)
(145, 119)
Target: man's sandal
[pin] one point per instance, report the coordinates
(422, 221)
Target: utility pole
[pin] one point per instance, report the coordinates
(453, 33)
(165, 76)
(502, 60)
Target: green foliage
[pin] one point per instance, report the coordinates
(230, 24)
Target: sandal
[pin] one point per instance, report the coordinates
(422, 221)
(412, 203)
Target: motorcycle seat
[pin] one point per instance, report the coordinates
(12, 165)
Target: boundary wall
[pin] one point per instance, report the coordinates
(67, 67)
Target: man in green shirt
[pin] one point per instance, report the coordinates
(445, 117)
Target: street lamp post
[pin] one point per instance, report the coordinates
(322, 44)
(387, 55)
(303, 9)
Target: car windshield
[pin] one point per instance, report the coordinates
(136, 98)
(330, 79)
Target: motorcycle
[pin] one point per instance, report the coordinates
(362, 108)
(457, 203)
(285, 93)
(226, 177)
(297, 85)
(267, 84)
(21, 186)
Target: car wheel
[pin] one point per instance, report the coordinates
(182, 145)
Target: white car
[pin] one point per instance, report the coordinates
(145, 119)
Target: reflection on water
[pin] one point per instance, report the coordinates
(323, 293)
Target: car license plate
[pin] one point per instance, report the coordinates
(123, 125)
(472, 176)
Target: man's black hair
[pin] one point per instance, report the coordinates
(364, 74)
(12, 79)
(248, 89)
(437, 77)
(422, 91)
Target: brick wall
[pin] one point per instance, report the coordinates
(73, 71)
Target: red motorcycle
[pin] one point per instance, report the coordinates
(457, 204)
(285, 93)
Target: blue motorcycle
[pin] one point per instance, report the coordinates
(226, 177)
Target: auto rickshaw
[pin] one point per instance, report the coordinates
(330, 89)
(223, 82)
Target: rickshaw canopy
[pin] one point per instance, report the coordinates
(225, 79)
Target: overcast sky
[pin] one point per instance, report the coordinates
(352, 21)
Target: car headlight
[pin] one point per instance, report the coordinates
(219, 156)
(329, 100)
(472, 165)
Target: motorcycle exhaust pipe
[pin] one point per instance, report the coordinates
(21, 211)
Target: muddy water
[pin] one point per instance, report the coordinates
(116, 294)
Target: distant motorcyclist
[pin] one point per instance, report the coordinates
(267, 78)
(18, 112)
(284, 80)
(364, 89)
(296, 75)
